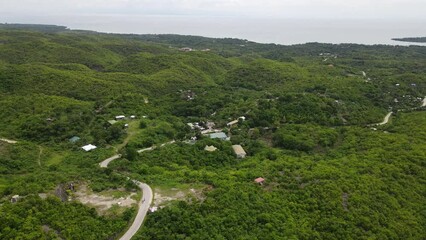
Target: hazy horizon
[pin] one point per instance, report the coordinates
(278, 31)
(268, 21)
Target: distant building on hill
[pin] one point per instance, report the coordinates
(112, 122)
(186, 49)
(259, 180)
(120, 117)
(210, 148)
(232, 123)
(74, 139)
(15, 199)
(219, 135)
(89, 147)
(239, 151)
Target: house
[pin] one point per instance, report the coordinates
(186, 49)
(239, 151)
(74, 139)
(259, 180)
(120, 117)
(235, 121)
(15, 199)
(219, 135)
(210, 148)
(112, 122)
(132, 117)
(89, 147)
(126, 125)
(210, 125)
(232, 123)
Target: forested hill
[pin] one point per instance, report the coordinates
(306, 115)
(411, 39)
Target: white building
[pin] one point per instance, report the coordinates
(239, 151)
(120, 117)
(89, 147)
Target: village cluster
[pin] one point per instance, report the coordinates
(117, 119)
(208, 129)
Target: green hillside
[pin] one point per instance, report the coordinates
(309, 128)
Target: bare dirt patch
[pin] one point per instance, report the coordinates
(162, 196)
(103, 201)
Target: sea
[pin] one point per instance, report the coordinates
(263, 30)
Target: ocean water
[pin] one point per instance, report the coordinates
(263, 30)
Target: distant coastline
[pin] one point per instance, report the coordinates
(256, 30)
(411, 39)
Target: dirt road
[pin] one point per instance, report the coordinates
(8, 140)
(386, 119)
(104, 163)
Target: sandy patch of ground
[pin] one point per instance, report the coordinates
(162, 197)
(102, 201)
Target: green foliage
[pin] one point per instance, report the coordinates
(33, 218)
(304, 137)
(329, 175)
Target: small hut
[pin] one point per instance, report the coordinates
(259, 180)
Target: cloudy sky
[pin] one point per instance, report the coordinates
(392, 9)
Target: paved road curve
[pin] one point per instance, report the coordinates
(144, 204)
(104, 163)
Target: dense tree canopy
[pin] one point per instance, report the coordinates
(305, 114)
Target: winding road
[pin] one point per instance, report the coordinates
(104, 163)
(386, 119)
(143, 204)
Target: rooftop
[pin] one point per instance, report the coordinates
(74, 139)
(238, 149)
(220, 135)
(210, 148)
(89, 147)
(259, 180)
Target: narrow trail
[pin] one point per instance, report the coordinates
(40, 152)
(154, 147)
(104, 163)
(8, 141)
(386, 119)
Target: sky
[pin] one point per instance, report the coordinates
(306, 9)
